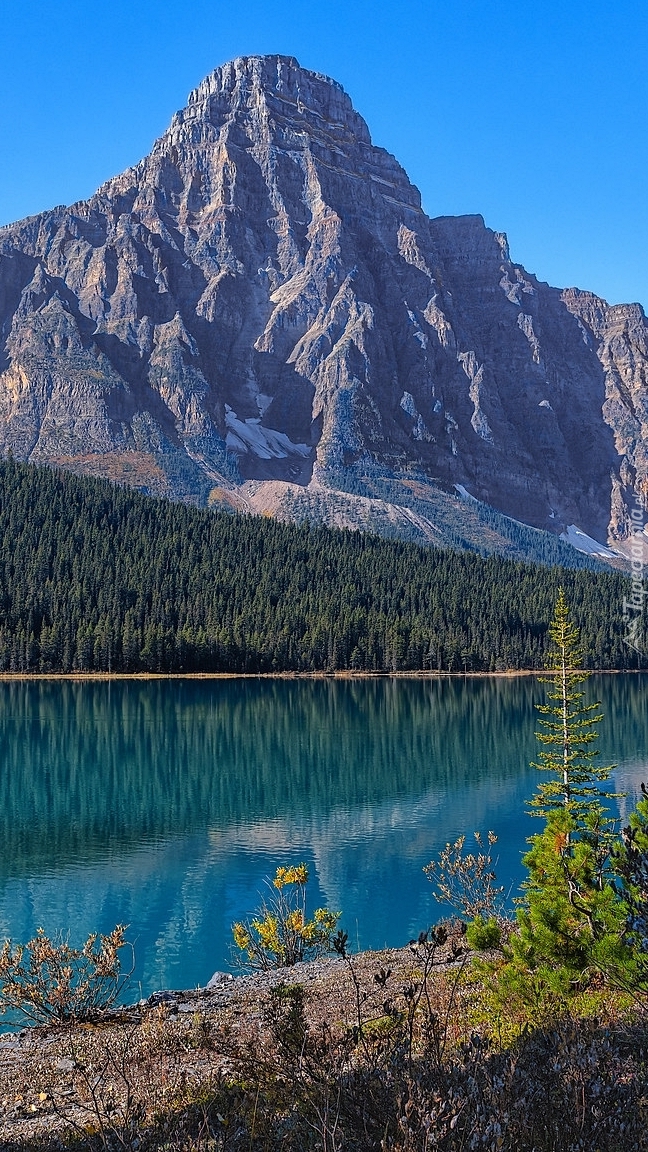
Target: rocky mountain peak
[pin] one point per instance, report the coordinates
(280, 85)
(262, 301)
(275, 111)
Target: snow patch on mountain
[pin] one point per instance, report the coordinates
(584, 543)
(266, 443)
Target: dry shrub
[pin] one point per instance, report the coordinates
(49, 981)
(467, 881)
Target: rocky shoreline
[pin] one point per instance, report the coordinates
(55, 1082)
(381, 1049)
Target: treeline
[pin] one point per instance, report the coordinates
(95, 577)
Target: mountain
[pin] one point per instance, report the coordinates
(260, 314)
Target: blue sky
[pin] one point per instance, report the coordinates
(534, 114)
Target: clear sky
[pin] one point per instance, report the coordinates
(532, 113)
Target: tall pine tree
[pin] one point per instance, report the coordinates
(571, 915)
(568, 732)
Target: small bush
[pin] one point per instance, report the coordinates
(484, 934)
(285, 1015)
(280, 935)
(49, 981)
(467, 881)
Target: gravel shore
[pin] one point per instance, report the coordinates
(59, 1082)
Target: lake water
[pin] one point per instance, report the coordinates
(164, 804)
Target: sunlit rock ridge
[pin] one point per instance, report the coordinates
(260, 309)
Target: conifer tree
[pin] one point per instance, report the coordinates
(630, 864)
(569, 731)
(571, 914)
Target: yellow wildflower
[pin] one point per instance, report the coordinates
(297, 874)
(241, 937)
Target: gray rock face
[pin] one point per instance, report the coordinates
(262, 298)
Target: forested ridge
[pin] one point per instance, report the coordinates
(95, 577)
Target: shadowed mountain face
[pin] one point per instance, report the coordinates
(263, 299)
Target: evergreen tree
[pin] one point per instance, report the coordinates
(630, 864)
(571, 915)
(569, 732)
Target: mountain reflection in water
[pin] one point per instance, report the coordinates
(165, 803)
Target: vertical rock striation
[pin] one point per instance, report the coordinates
(263, 298)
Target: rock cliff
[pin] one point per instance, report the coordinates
(262, 301)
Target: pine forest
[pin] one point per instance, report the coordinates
(96, 577)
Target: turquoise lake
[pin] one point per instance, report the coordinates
(164, 804)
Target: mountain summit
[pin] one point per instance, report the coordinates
(261, 313)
